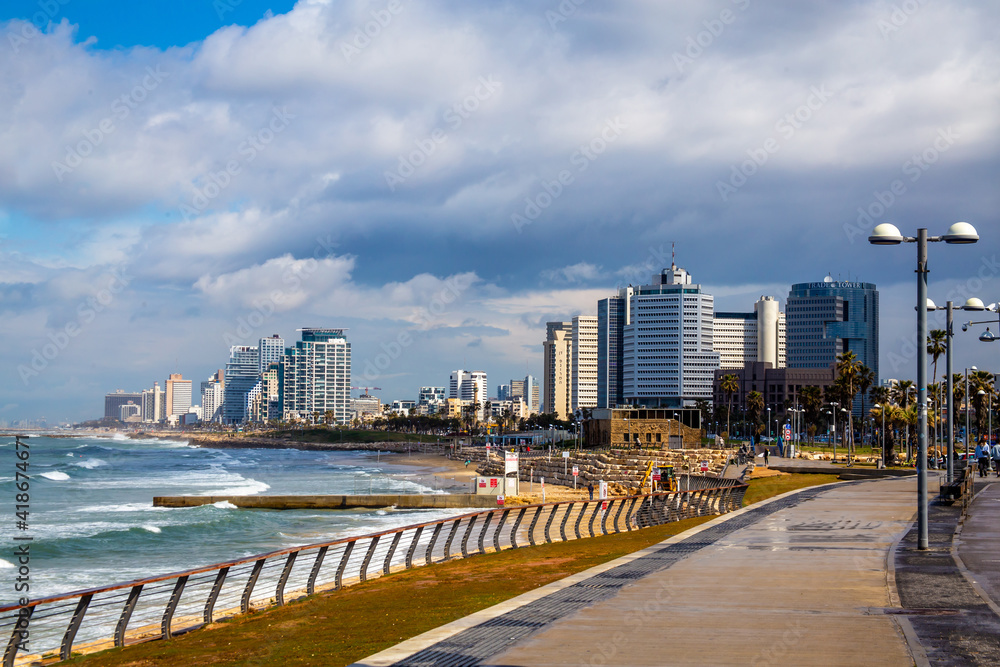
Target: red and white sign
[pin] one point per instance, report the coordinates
(500, 500)
(704, 466)
(788, 435)
(482, 482)
(576, 471)
(656, 474)
(493, 482)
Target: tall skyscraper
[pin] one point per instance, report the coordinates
(316, 376)
(744, 338)
(612, 314)
(583, 374)
(242, 372)
(470, 386)
(826, 319)
(178, 391)
(664, 351)
(270, 351)
(212, 393)
(558, 367)
(527, 390)
(154, 404)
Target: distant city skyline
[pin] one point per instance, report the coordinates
(179, 178)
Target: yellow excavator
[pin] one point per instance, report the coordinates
(668, 482)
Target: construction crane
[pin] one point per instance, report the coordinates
(366, 390)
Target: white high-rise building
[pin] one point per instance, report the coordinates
(212, 394)
(154, 404)
(558, 368)
(667, 356)
(317, 376)
(270, 351)
(583, 380)
(470, 386)
(743, 338)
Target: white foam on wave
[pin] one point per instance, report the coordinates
(248, 487)
(124, 507)
(90, 464)
(119, 436)
(55, 476)
(5, 565)
(224, 505)
(152, 529)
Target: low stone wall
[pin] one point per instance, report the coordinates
(624, 467)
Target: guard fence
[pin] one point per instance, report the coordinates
(60, 626)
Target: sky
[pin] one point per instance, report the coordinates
(443, 178)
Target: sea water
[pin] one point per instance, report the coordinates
(92, 520)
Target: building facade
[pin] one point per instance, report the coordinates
(667, 356)
(316, 376)
(612, 314)
(154, 405)
(270, 351)
(826, 319)
(583, 374)
(242, 372)
(178, 395)
(744, 338)
(780, 387)
(557, 361)
(113, 403)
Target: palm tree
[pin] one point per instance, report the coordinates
(729, 385)
(958, 395)
(848, 370)
(755, 405)
(936, 347)
(866, 378)
(903, 394)
(812, 400)
(981, 381)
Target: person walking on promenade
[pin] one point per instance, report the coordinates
(995, 453)
(765, 457)
(982, 457)
(590, 488)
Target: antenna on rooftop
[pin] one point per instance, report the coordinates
(673, 255)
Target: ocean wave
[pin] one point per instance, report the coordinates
(55, 476)
(124, 507)
(6, 565)
(249, 487)
(151, 529)
(224, 505)
(90, 464)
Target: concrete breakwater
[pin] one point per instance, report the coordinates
(407, 501)
(623, 467)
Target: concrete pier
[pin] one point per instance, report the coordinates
(402, 501)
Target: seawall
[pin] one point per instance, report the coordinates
(406, 501)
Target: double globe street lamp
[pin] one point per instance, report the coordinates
(972, 304)
(889, 234)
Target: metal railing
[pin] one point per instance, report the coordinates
(164, 606)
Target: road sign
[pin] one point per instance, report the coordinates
(565, 455)
(576, 471)
(788, 434)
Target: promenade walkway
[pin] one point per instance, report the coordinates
(808, 578)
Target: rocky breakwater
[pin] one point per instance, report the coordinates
(624, 468)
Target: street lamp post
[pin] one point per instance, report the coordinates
(881, 408)
(889, 234)
(968, 401)
(973, 304)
